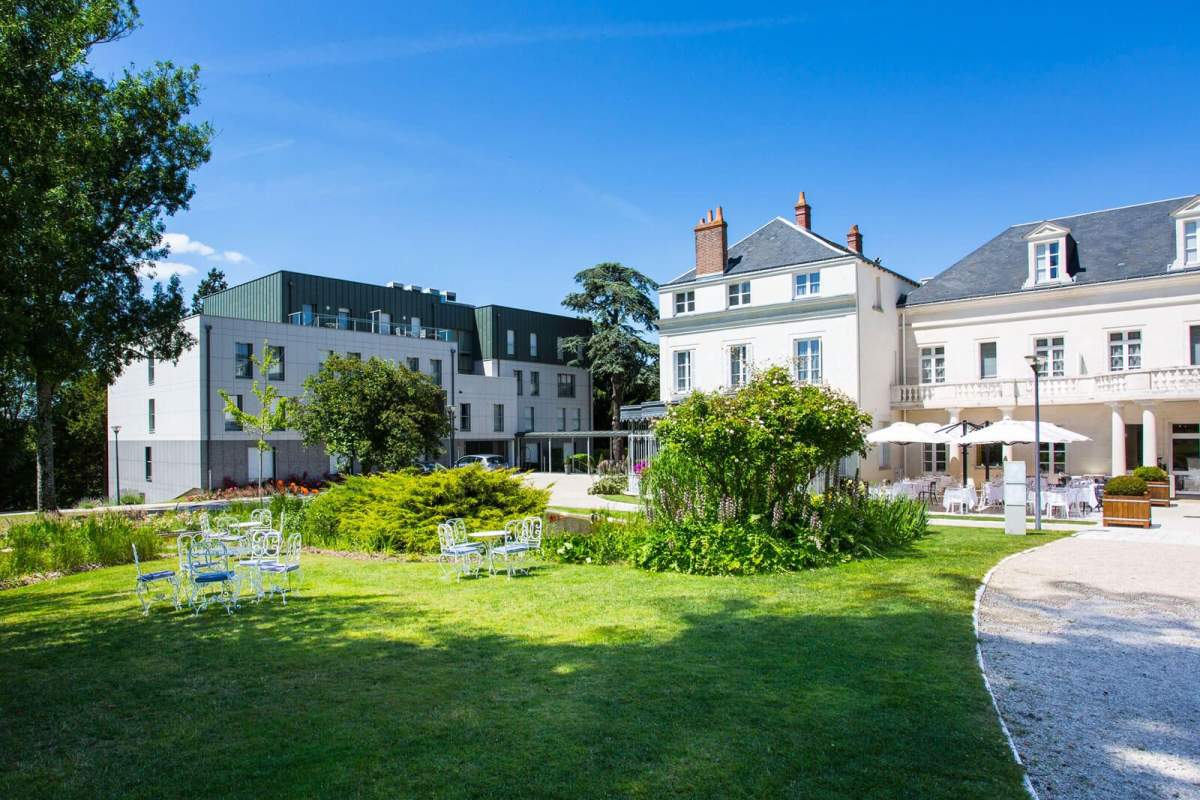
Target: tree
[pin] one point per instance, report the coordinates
(275, 412)
(383, 415)
(211, 283)
(88, 169)
(617, 300)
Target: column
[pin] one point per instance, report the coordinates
(1118, 439)
(1149, 435)
(953, 453)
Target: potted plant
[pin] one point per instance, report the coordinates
(1127, 502)
(1158, 482)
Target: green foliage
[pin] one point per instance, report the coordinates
(382, 414)
(609, 484)
(91, 165)
(752, 453)
(400, 511)
(211, 283)
(63, 544)
(1125, 486)
(609, 542)
(1154, 474)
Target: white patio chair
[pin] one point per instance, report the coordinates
(278, 575)
(212, 578)
(262, 516)
(1052, 500)
(264, 549)
(455, 557)
(149, 584)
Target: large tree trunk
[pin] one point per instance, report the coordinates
(47, 496)
(617, 394)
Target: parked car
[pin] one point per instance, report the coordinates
(428, 466)
(485, 461)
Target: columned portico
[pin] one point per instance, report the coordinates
(1118, 439)
(1149, 435)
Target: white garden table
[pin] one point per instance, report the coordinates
(489, 539)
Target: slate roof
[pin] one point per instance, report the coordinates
(1117, 244)
(776, 244)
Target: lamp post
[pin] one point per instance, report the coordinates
(116, 429)
(1035, 363)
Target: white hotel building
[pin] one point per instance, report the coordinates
(1110, 299)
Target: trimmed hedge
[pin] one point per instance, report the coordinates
(400, 511)
(1155, 474)
(1125, 486)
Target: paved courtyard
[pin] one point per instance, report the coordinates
(1092, 646)
(571, 491)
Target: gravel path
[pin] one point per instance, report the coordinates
(1092, 647)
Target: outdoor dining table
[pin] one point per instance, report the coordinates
(489, 539)
(992, 495)
(958, 496)
(246, 525)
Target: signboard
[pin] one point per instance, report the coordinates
(1014, 497)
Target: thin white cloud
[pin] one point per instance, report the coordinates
(233, 257)
(182, 243)
(159, 270)
(390, 48)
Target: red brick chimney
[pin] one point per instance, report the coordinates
(854, 239)
(712, 244)
(803, 213)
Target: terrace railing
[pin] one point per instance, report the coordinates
(359, 325)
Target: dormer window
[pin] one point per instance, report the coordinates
(1047, 263)
(1047, 255)
(1187, 235)
(739, 294)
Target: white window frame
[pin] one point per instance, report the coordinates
(932, 364)
(1052, 455)
(1045, 347)
(934, 458)
(809, 367)
(995, 360)
(737, 294)
(1187, 235)
(1047, 262)
(806, 284)
(1191, 243)
(685, 302)
(742, 376)
(1047, 255)
(682, 372)
(1125, 350)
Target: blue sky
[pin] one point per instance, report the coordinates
(496, 149)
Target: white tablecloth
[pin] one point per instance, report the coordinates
(992, 495)
(955, 496)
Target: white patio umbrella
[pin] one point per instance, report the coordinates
(1016, 431)
(905, 433)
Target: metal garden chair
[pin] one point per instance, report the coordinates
(263, 549)
(516, 546)
(212, 578)
(457, 557)
(149, 584)
(277, 575)
(262, 516)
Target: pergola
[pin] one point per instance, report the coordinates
(552, 436)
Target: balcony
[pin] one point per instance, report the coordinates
(1167, 383)
(338, 323)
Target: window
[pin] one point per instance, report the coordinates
(231, 423)
(579, 419)
(739, 365)
(1194, 341)
(414, 363)
(243, 360)
(520, 381)
(885, 456)
(807, 354)
(683, 371)
(150, 371)
(464, 417)
(1191, 243)
(533, 345)
(685, 302)
(739, 294)
(562, 419)
(1046, 260)
(1051, 353)
(150, 415)
(343, 319)
(306, 313)
(276, 372)
(989, 455)
(498, 417)
(535, 383)
(558, 347)
(1052, 458)
(808, 284)
(529, 419)
(933, 364)
(987, 360)
(435, 370)
(566, 384)
(149, 466)
(933, 458)
(1124, 350)
(510, 342)
(353, 355)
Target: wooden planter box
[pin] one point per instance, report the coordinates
(1160, 493)
(1133, 512)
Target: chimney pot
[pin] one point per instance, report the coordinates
(803, 213)
(854, 239)
(712, 244)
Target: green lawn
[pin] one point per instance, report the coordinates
(386, 681)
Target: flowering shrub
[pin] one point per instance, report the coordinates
(609, 484)
(65, 544)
